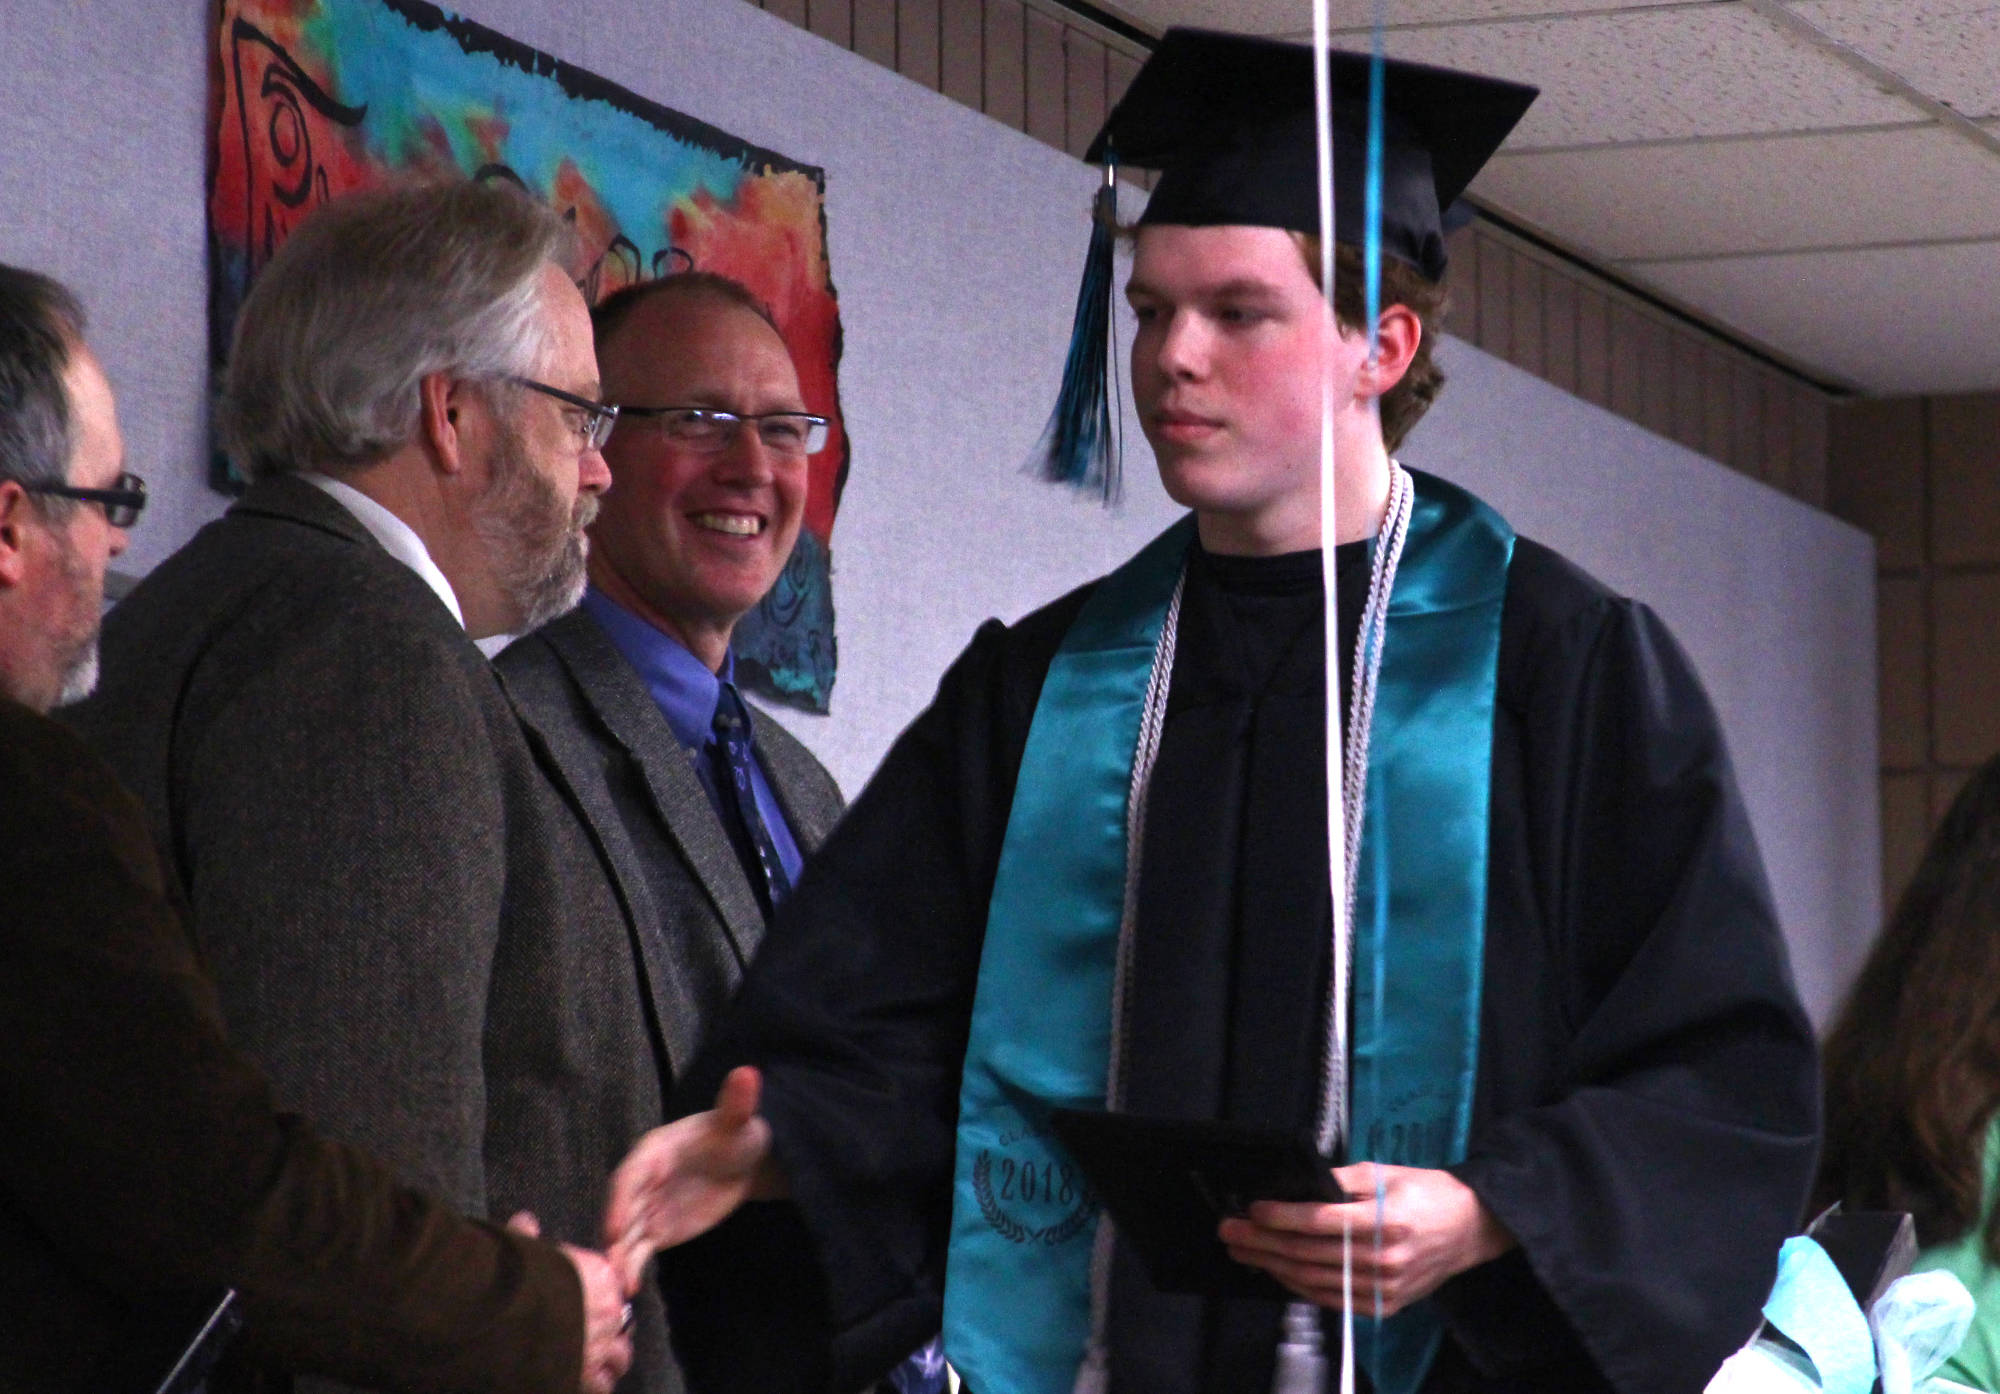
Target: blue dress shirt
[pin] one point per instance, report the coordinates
(685, 692)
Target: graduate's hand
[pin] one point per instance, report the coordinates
(1432, 1227)
(683, 1180)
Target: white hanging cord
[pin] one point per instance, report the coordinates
(1336, 827)
(1329, 530)
(1372, 299)
(1301, 1365)
(1335, 1108)
(1301, 1362)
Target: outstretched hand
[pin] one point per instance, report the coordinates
(684, 1179)
(607, 1321)
(1431, 1227)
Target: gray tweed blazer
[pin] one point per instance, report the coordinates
(697, 919)
(410, 926)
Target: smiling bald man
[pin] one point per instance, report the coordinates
(707, 810)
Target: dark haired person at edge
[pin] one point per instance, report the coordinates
(1913, 1068)
(144, 1163)
(1592, 1109)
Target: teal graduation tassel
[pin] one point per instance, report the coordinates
(1080, 445)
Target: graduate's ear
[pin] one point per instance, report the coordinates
(1398, 335)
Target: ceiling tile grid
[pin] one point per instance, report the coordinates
(1915, 183)
(1349, 17)
(1950, 49)
(1658, 74)
(1917, 320)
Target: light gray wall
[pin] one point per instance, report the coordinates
(954, 245)
(1773, 600)
(103, 129)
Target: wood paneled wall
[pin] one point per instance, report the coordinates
(1044, 70)
(1593, 339)
(1923, 475)
(1034, 66)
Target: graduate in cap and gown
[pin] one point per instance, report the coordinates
(1581, 1091)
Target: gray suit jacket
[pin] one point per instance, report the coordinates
(753, 1282)
(410, 927)
(697, 920)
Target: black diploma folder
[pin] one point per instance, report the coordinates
(1168, 1182)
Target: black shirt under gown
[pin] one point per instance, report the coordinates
(1645, 1117)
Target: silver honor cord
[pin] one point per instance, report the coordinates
(1301, 1363)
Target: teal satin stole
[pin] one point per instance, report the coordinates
(1017, 1286)
(1017, 1277)
(1420, 890)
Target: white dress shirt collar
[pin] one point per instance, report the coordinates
(397, 537)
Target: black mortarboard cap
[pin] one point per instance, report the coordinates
(1227, 120)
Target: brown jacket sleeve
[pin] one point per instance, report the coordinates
(147, 1159)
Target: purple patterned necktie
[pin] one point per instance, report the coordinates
(729, 766)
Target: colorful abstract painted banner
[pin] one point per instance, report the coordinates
(315, 98)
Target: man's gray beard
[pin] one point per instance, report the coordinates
(79, 678)
(78, 664)
(536, 550)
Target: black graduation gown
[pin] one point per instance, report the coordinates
(1645, 1118)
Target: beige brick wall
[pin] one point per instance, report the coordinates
(1922, 474)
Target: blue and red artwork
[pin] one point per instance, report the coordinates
(315, 98)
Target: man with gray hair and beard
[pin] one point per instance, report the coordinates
(144, 1166)
(409, 928)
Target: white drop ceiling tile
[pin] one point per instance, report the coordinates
(1890, 322)
(1360, 14)
(1658, 73)
(1947, 49)
(1781, 193)
(1294, 17)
